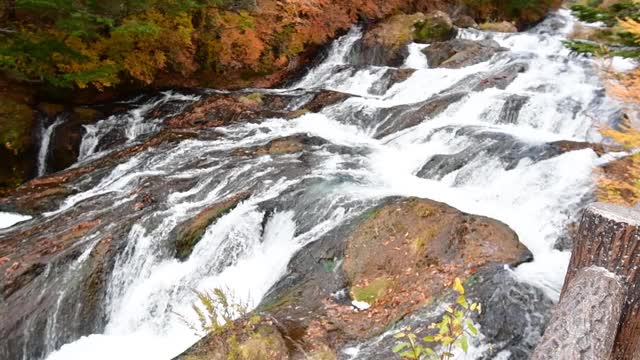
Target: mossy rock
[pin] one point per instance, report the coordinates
(241, 340)
(385, 43)
(190, 232)
(17, 121)
(437, 26)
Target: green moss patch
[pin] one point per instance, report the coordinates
(371, 292)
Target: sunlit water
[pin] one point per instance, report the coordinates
(535, 198)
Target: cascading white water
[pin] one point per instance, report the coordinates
(45, 140)
(10, 219)
(535, 198)
(133, 123)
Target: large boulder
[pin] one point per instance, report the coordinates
(397, 258)
(457, 53)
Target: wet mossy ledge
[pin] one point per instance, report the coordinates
(190, 232)
(399, 258)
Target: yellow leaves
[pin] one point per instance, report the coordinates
(457, 286)
(631, 26)
(627, 136)
(620, 181)
(453, 331)
(143, 65)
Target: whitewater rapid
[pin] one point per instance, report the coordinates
(536, 199)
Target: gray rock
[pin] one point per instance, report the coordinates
(503, 77)
(398, 118)
(509, 149)
(511, 109)
(458, 53)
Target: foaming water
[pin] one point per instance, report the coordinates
(10, 219)
(293, 201)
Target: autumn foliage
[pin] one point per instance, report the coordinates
(620, 182)
(69, 43)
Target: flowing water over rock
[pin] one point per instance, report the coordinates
(100, 258)
(45, 139)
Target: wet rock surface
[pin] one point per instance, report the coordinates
(398, 118)
(366, 260)
(513, 321)
(76, 248)
(189, 233)
(509, 150)
(457, 53)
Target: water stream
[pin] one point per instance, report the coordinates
(475, 160)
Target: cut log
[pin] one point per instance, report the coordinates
(586, 320)
(601, 287)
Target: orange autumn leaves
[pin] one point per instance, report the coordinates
(620, 181)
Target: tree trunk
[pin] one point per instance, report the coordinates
(608, 241)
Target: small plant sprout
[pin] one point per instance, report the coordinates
(451, 333)
(215, 310)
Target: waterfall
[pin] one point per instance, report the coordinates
(126, 127)
(483, 153)
(45, 140)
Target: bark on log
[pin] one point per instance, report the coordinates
(609, 238)
(586, 320)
